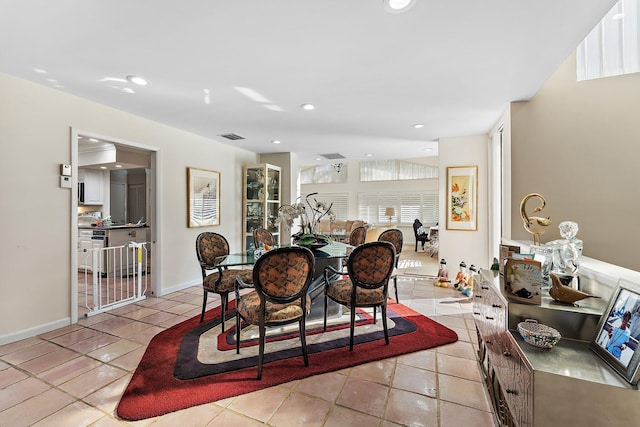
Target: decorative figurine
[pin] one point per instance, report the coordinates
(462, 277)
(535, 225)
(495, 264)
(566, 294)
(467, 290)
(443, 275)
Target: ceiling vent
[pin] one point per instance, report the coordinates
(333, 156)
(231, 136)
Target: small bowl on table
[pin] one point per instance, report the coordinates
(537, 334)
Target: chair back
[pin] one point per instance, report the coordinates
(209, 246)
(370, 264)
(393, 236)
(418, 228)
(262, 235)
(357, 236)
(283, 275)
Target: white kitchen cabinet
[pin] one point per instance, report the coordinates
(93, 187)
(86, 243)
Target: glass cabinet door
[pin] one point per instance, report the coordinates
(261, 202)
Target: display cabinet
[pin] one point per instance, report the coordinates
(261, 201)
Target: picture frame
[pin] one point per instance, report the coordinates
(522, 280)
(616, 345)
(203, 197)
(462, 198)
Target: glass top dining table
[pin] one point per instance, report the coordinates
(331, 251)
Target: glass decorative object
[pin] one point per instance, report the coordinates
(568, 250)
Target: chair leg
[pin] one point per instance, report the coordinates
(237, 333)
(204, 304)
(384, 323)
(263, 332)
(325, 311)
(395, 285)
(303, 340)
(352, 326)
(224, 299)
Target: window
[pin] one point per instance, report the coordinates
(612, 48)
(392, 170)
(340, 204)
(323, 174)
(408, 207)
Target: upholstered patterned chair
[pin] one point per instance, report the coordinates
(281, 278)
(369, 268)
(357, 236)
(263, 235)
(215, 279)
(393, 236)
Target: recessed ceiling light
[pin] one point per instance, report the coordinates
(118, 166)
(427, 149)
(318, 159)
(137, 80)
(275, 141)
(103, 167)
(308, 107)
(397, 6)
(369, 155)
(418, 125)
(93, 140)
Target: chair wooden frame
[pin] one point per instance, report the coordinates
(394, 236)
(358, 236)
(276, 285)
(359, 271)
(207, 253)
(263, 235)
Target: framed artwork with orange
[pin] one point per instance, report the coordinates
(462, 198)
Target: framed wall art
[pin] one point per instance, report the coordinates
(203, 194)
(462, 198)
(618, 333)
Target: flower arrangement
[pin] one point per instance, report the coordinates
(310, 211)
(459, 201)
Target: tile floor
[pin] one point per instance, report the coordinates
(74, 376)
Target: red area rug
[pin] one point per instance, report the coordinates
(192, 363)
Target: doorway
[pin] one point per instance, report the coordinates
(137, 200)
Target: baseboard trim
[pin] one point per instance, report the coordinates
(36, 330)
(179, 287)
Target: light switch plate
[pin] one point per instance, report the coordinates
(65, 182)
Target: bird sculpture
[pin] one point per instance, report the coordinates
(566, 294)
(534, 224)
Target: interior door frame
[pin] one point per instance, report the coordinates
(155, 201)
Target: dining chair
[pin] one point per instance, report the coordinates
(420, 234)
(357, 236)
(281, 279)
(216, 279)
(262, 235)
(366, 283)
(393, 236)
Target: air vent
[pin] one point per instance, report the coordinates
(333, 156)
(231, 136)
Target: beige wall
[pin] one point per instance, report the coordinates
(578, 144)
(35, 213)
(454, 245)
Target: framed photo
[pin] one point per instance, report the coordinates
(462, 198)
(203, 194)
(618, 333)
(522, 280)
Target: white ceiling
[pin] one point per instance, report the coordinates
(452, 65)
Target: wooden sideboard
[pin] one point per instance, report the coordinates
(533, 387)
